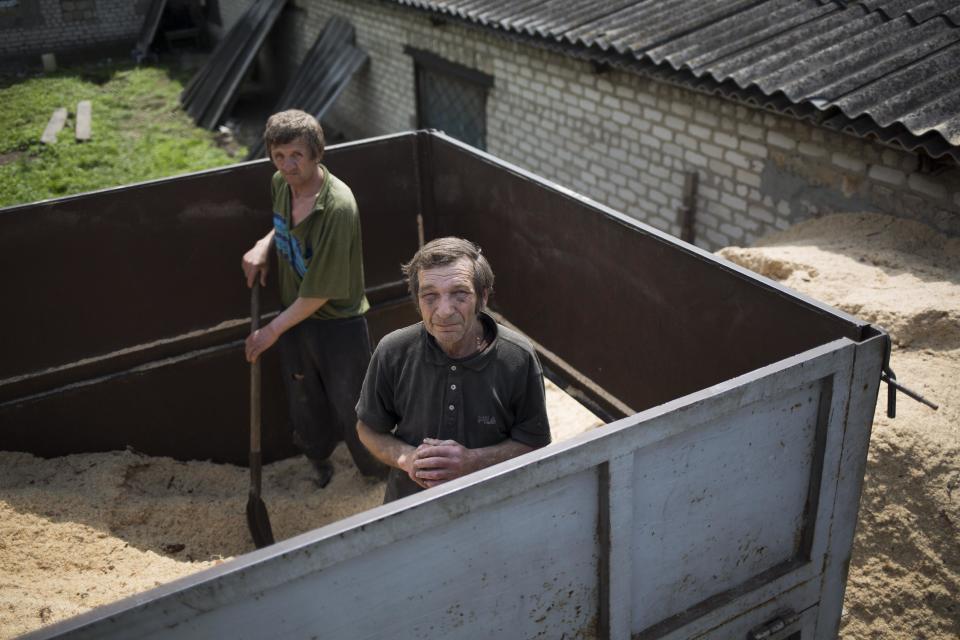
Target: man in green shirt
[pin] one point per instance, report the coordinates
(322, 333)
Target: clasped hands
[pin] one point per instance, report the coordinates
(437, 461)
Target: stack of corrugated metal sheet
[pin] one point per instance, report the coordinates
(889, 69)
(148, 30)
(212, 89)
(323, 74)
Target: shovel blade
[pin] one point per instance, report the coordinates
(259, 522)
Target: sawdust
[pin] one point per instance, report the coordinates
(85, 530)
(904, 580)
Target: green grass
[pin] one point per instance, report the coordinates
(139, 133)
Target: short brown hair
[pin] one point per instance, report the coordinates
(444, 251)
(286, 126)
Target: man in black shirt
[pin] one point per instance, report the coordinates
(456, 392)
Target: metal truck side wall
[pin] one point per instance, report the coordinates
(648, 318)
(131, 307)
(727, 503)
(705, 517)
(135, 300)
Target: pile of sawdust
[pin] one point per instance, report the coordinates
(904, 580)
(85, 530)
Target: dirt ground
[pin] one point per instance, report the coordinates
(904, 580)
(143, 521)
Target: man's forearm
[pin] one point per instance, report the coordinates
(386, 447)
(300, 310)
(262, 339)
(267, 240)
(488, 456)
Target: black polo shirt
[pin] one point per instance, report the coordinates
(414, 390)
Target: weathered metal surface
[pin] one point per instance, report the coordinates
(322, 75)
(135, 340)
(686, 320)
(513, 549)
(891, 62)
(864, 385)
(728, 500)
(212, 88)
(148, 31)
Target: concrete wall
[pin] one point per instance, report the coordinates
(33, 27)
(629, 142)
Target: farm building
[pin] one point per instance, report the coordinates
(717, 125)
(95, 28)
(782, 110)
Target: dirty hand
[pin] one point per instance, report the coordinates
(439, 461)
(256, 262)
(259, 341)
(407, 463)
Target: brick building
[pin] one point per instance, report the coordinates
(31, 27)
(627, 121)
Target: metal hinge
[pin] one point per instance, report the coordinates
(767, 630)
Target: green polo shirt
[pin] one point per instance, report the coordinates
(414, 390)
(322, 256)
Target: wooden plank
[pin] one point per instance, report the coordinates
(84, 109)
(57, 120)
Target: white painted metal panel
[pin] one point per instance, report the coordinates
(849, 479)
(721, 503)
(556, 543)
(798, 626)
(522, 567)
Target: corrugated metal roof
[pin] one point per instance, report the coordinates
(322, 75)
(214, 86)
(889, 69)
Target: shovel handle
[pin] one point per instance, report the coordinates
(255, 390)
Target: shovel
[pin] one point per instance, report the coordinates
(257, 518)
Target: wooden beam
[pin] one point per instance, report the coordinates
(57, 120)
(84, 109)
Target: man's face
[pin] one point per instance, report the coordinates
(295, 161)
(448, 305)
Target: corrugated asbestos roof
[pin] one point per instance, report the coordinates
(888, 69)
(322, 75)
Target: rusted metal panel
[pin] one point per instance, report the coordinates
(727, 504)
(136, 279)
(605, 292)
(189, 406)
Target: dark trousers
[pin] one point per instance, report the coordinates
(323, 364)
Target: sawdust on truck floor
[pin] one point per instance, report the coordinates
(85, 530)
(904, 580)
(81, 531)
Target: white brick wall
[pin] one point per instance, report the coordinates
(627, 141)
